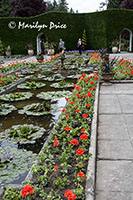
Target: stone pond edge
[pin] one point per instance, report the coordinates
(91, 169)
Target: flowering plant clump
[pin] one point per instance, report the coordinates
(123, 69)
(95, 58)
(7, 79)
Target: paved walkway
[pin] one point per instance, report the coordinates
(33, 58)
(114, 176)
(28, 59)
(122, 55)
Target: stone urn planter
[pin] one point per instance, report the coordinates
(30, 52)
(8, 53)
(114, 49)
(51, 52)
(107, 77)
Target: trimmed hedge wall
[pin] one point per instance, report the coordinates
(101, 28)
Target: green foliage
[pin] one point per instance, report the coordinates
(84, 39)
(102, 28)
(1, 48)
(15, 162)
(17, 96)
(12, 194)
(114, 4)
(31, 85)
(53, 95)
(5, 8)
(5, 109)
(24, 134)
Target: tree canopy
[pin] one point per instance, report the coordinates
(27, 8)
(61, 5)
(114, 4)
(127, 4)
(5, 8)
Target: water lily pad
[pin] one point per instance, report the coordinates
(31, 85)
(54, 78)
(62, 84)
(36, 109)
(38, 76)
(5, 109)
(53, 95)
(74, 76)
(24, 134)
(13, 163)
(49, 79)
(17, 96)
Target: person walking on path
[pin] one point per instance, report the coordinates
(61, 45)
(80, 46)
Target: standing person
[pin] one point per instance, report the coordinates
(61, 45)
(80, 46)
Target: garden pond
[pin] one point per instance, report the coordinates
(29, 112)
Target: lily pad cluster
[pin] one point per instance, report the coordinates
(53, 95)
(22, 134)
(39, 109)
(17, 96)
(62, 84)
(54, 78)
(5, 109)
(36, 109)
(73, 76)
(14, 162)
(31, 85)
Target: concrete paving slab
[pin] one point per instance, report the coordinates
(130, 130)
(115, 149)
(109, 104)
(110, 195)
(128, 120)
(123, 87)
(120, 55)
(107, 89)
(115, 176)
(126, 102)
(111, 120)
(106, 132)
(117, 88)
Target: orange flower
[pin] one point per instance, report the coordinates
(56, 167)
(81, 174)
(83, 137)
(71, 102)
(27, 190)
(67, 128)
(85, 115)
(79, 151)
(74, 142)
(82, 130)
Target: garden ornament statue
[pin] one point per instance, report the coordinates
(106, 66)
